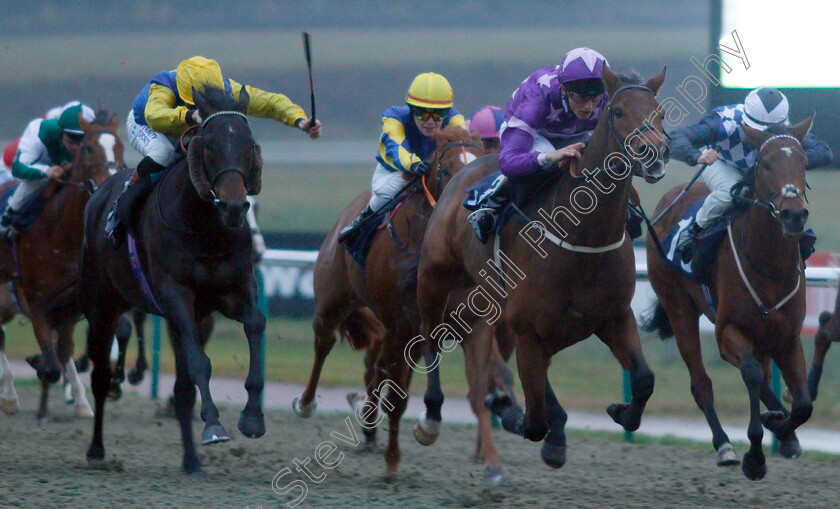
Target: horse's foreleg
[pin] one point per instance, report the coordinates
(81, 407)
(478, 357)
(8, 395)
(622, 337)
(251, 422)
(553, 451)
(121, 338)
(392, 394)
(47, 365)
(779, 421)
(184, 395)
(100, 336)
(532, 362)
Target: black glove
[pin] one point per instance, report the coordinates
(421, 168)
(190, 116)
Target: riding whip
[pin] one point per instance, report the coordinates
(308, 55)
(685, 189)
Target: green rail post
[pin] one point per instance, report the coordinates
(776, 386)
(155, 354)
(628, 396)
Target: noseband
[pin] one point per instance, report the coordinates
(215, 178)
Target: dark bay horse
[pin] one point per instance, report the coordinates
(194, 250)
(344, 290)
(44, 262)
(758, 283)
(550, 296)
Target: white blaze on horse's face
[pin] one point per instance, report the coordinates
(788, 151)
(108, 141)
(467, 157)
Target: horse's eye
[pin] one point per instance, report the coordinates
(89, 149)
(618, 113)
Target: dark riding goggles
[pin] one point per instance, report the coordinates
(423, 114)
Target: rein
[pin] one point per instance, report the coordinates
(215, 178)
(442, 171)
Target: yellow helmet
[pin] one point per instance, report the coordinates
(429, 90)
(196, 72)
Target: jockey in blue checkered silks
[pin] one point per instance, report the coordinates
(718, 141)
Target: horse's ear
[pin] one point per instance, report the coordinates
(114, 123)
(195, 161)
(611, 80)
(800, 130)
(244, 99)
(754, 137)
(200, 103)
(655, 83)
(254, 182)
(84, 124)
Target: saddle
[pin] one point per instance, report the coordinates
(360, 246)
(699, 269)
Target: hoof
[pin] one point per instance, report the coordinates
(135, 377)
(355, 399)
(773, 421)
(41, 415)
(790, 448)
(304, 412)
(214, 434)
(754, 466)
(252, 426)
(201, 475)
(494, 475)
(534, 431)
(115, 392)
(617, 411)
(497, 403)
(426, 431)
(68, 394)
(553, 455)
(391, 477)
(95, 454)
(726, 455)
(83, 410)
(9, 406)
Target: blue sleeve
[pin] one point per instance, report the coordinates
(818, 152)
(686, 142)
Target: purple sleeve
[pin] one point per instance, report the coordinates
(516, 158)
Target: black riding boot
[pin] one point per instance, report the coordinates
(124, 210)
(7, 222)
(485, 219)
(349, 233)
(685, 248)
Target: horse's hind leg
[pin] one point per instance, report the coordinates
(81, 407)
(687, 335)
(135, 376)
(324, 326)
(395, 401)
(121, 337)
(622, 337)
(829, 331)
(8, 395)
(478, 357)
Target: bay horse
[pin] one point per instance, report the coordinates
(758, 283)
(580, 286)
(43, 262)
(8, 395)
(828, 332)
(193, 251)
(374, 307)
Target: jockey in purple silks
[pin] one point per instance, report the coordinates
(548, 121)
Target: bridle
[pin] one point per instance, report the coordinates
(229, 169)
(442, 170)
(90, 185)
(788, 191)
(646, 126)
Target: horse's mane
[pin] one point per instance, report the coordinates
(451, 134)
(630, 77)
(218, 98)
(103, 117)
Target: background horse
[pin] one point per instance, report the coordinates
(44, 262)
(828, 332)
(343, 289)
(580, 287)
(195, 253)
(758, 284)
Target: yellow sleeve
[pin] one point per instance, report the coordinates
(161, 113)
(392, 149)
(268, 105)
(458, 120)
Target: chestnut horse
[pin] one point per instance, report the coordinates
(758, 283)
(44, 262)
(344, 289)
(828, 332)
(8, 396)
(195, 257)
(581, 286)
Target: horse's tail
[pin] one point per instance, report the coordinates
(655, 319)
(361, 329)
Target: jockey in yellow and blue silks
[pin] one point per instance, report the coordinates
(406, 141)
(164, 109)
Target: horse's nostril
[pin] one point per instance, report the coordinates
(786, 215)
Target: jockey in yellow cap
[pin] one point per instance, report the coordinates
(406, 141)
(164, 109)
